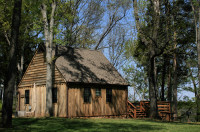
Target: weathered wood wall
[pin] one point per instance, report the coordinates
(37, 100)
(36, 72)
(98, 105)
(60, 108)
(35, 76)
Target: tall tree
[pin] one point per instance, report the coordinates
(48, 34)
(150, 40)
(196, 12)
(11, 71)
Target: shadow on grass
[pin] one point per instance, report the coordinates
(170, 122)
(63, 124)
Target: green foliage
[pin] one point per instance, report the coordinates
(137, 78)
(100, 125)
(184, 106)
(136, 50)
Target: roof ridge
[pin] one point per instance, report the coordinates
(81, 48)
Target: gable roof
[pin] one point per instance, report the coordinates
(87, 66)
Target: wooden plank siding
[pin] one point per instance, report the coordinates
(37, 100)
(36, 72)
(98, 105)
(34, 80)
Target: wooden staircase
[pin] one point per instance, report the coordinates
(141, 109)
(136, 111)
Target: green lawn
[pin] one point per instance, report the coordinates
(113, 125)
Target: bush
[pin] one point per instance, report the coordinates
(183, 107)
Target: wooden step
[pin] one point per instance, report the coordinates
(131, 115)
(140, 113)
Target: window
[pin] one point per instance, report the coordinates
(26, 96)
(87, 95)
(98, 92)
(54, 95)
(108, 95)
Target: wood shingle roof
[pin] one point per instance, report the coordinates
(87, 66)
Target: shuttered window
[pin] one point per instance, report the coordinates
(98, 92)
(27, 96)
(108, 95)
(87, 95)
(54, 95)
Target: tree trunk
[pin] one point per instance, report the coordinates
(151, 46)
(198, 52)
(11, 71)
(175, 79)
(48, 32)
(196, 14)
(169, 92)
(152, 73)
(20, 65)
(175, 65)
(152, 90)
(163, 79)
(134, 90)
(167, 9)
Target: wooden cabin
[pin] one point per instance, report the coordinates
(85, 84)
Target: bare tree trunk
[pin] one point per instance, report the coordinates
(48, 32)
(11, 71)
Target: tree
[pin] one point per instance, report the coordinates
(164, 35)
(135, 75)
(196, 12)
(48, 34)
(11, 71)
(150, 40)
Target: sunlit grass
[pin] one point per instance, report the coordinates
(124, 125)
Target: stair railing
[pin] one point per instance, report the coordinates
(131, 108)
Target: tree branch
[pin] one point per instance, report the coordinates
(7, 39)
(112, 23)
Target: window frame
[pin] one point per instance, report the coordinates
(98, 92)
(87, 95)
(108, 95)
(27, 96)
(54, 95)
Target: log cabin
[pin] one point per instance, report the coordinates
(85, 84)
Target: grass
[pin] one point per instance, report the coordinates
(99, 125)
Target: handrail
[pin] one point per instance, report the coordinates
(131, 104)
(132, 110)
(163, 106)
(141, 106)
